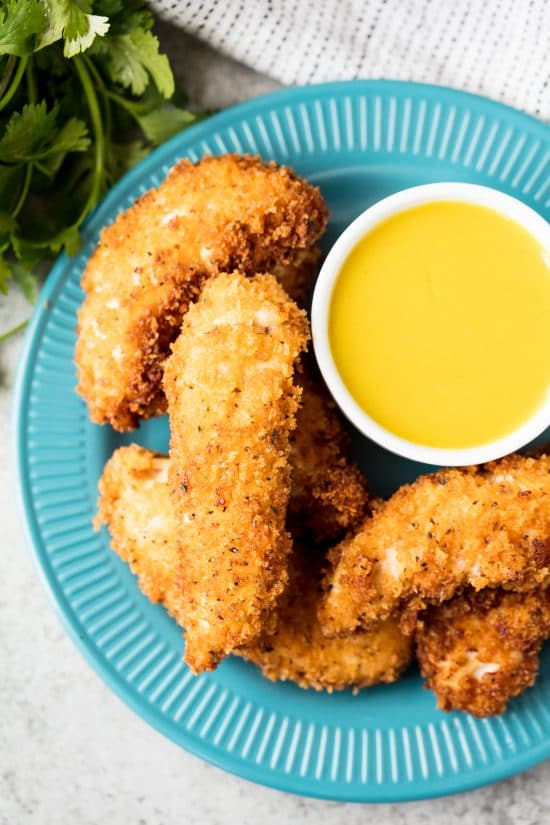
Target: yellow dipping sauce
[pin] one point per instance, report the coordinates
(440, 325)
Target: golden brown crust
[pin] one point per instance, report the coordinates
(329, 493)
(151, 263)
(480, 650)
(232, 403)
(299, 652)
(298, 276)
(483, 527)
(135, 504)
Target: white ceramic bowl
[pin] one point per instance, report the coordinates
(364, 223)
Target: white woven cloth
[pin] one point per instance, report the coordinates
(498, 48)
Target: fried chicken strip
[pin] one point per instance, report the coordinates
(298, 276)
(151, 263)
(299, 652)
(483, 527)
(480, 650)
(232, 402)
(329, 493)
(135, 504)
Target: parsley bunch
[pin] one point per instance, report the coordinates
(76, 79)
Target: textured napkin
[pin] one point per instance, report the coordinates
(498, 48)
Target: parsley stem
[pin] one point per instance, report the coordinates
(8, 71)
(120, 100)
(101, 86)
(14, 85)
(24, 191)
(13, 331)
(130, 107)
(99, 135)
(94, 72)
(32, 90)
(32, 93)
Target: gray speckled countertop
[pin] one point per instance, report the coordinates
(72, 753)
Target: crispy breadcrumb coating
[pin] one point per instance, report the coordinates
(298, 276)
(483, 527)
(480, 650)
(299, 652)
(232, 402)
(151, 263)
(135, 504)
(329, 493)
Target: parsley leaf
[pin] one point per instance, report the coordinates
(26, 132)
(7, 223)
(110, 7)
(32, 134)
(20, 22)
(26, 280)
(10, 182)
(162, 124)
(5, 275)
(73, 22)
(76, 79)
(23, 277)
(68, 239)
(129, 59)
(71, 137)
(82, 32)
(122, 156)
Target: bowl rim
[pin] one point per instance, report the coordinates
(506, 205)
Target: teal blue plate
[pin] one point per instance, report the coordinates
(359, 141)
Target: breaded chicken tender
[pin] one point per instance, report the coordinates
(151, 263)
(329, 493)
(232, 402)
(480, 650)
(135, 505)
(298, 276)
(299, 652)
(483, 527)
(133, 470)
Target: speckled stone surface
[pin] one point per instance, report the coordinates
(71, 753)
